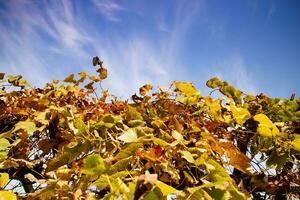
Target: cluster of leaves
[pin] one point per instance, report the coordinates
(63, 142)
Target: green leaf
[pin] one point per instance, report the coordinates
(7, 195)
(103, 183)
(155, 194)
(128, 136)
(177, 136)
(197, 193)
(129, 150)
(167, 189)
(4, 143)
(70, 152)
(277, 160)
(188, 156)
(81, 128)
(214, 83)
(93, 164)
(159, 142)
(27, 126)
(133, 114)
(119, 166)
(70, 79)
(136, 123)
(4, 178)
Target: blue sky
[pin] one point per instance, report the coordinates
(253, 44)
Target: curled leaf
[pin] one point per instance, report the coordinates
(144, 89)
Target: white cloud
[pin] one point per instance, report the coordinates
(140, 59)
(108, 9)
(38, 41)
(29, 33)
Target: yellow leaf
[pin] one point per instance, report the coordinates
(215, 109)
(240, 115)
(7, 195)
(166, 189)
(296, 144)
(27, 126)
(188, 156)
(82, 74)
(144, 89)
(177, 136)
(4, 143)
(263, 119)
(128, 136)
(186, 88)
(4, 178)
(266, 127)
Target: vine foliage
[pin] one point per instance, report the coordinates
(63, 141)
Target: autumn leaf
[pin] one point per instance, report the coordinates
(240, 115)
(188, 156)
(266, 127)
(144, 89)
(70, 79)
(186, 88)
(7, 195)
(93, 164)
(102, 73)
(4, 178)
(128, 136)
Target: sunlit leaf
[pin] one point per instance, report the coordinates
(186, 88)
(7, 195)
(102, 73)
(4, 143)
(144, 89)
(13, 79)
(93, 164)
(27, 126)
(4, 178)
(129, 150)
(166, 189)
(266, 127)
(128, 136)
(177, 136)
(136, 123)
(188, 156)
(133, 114)
(70, 79)
(197, 193)
(296, 144)
(240, 115)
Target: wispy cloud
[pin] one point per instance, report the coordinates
(30, 31)
(108, 9)
(139, 59)
(38, 38)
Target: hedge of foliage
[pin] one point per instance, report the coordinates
(64, 141)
